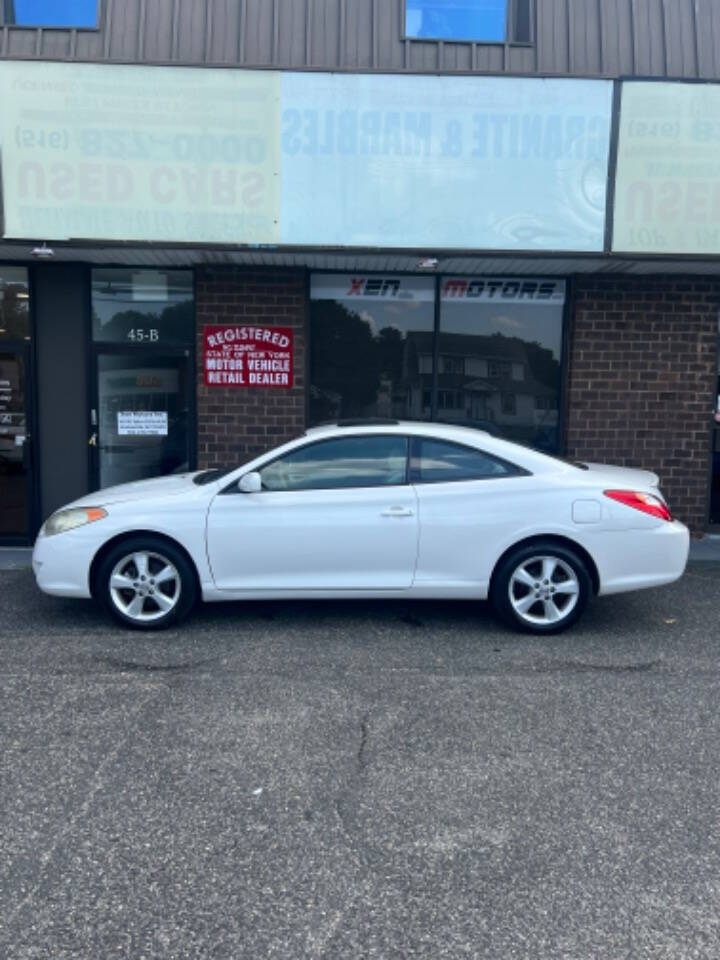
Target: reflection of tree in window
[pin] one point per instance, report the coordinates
(345, 362)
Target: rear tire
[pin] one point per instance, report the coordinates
(541, 588)
(146, 583)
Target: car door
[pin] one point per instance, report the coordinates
(334, 514)
(468, 501)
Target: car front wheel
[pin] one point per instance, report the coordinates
(541, 588)
(146, 583)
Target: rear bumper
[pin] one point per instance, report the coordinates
(647, 558)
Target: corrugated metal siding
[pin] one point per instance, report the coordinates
(677, 38)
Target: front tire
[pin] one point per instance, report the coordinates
(541, 588)
(146, 583)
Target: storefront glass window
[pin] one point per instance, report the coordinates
(371, 346)
(501, 349)
(14, 304)
(143, 307)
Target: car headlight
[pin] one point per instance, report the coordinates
(65, 520)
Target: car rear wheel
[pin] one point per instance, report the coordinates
(146, 583)
(541, 588)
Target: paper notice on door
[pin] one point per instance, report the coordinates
(142, 423)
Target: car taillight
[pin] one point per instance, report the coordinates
(645, 502)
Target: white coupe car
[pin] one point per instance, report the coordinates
(370, 509)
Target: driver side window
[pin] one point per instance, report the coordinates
(340, 463)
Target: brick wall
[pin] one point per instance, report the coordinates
(236, 423)
(643, 369)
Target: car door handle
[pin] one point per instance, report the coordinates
(397, 512)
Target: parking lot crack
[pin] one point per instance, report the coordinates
(130, 666)
(364, 734)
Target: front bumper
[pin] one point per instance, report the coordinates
(61, 564)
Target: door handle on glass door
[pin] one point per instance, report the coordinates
(397, 512)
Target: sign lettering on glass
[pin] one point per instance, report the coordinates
(248, 356)
(503, 290)
(357, 286)
(141, 335)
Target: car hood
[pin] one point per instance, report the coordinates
(624, 478)
(170, 486)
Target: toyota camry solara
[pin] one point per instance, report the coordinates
(370, 509)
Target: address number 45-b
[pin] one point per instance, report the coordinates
(140, 335)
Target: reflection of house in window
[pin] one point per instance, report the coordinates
(494, 381)
(497, 369)
(452, 364)
(508, 404)
(450, 399)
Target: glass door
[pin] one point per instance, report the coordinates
(15, 465)
(142, 416)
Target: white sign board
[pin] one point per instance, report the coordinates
(142, 423)
(121, 152)
(667, 190)
(500, 163)
(178, 154)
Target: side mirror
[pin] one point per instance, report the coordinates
(250, 483)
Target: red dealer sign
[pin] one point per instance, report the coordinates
(248, 356)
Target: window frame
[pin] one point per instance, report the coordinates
(508, 41)
(233, 487)
(52, 26)
(414, 471)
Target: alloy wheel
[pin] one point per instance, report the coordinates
(145, 586)
(543, 590)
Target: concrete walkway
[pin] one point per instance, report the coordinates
(14, 558)
(706, 550)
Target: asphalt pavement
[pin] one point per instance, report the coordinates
(361, 780)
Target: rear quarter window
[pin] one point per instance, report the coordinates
(439, 461)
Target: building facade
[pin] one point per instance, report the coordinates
(225, 221)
